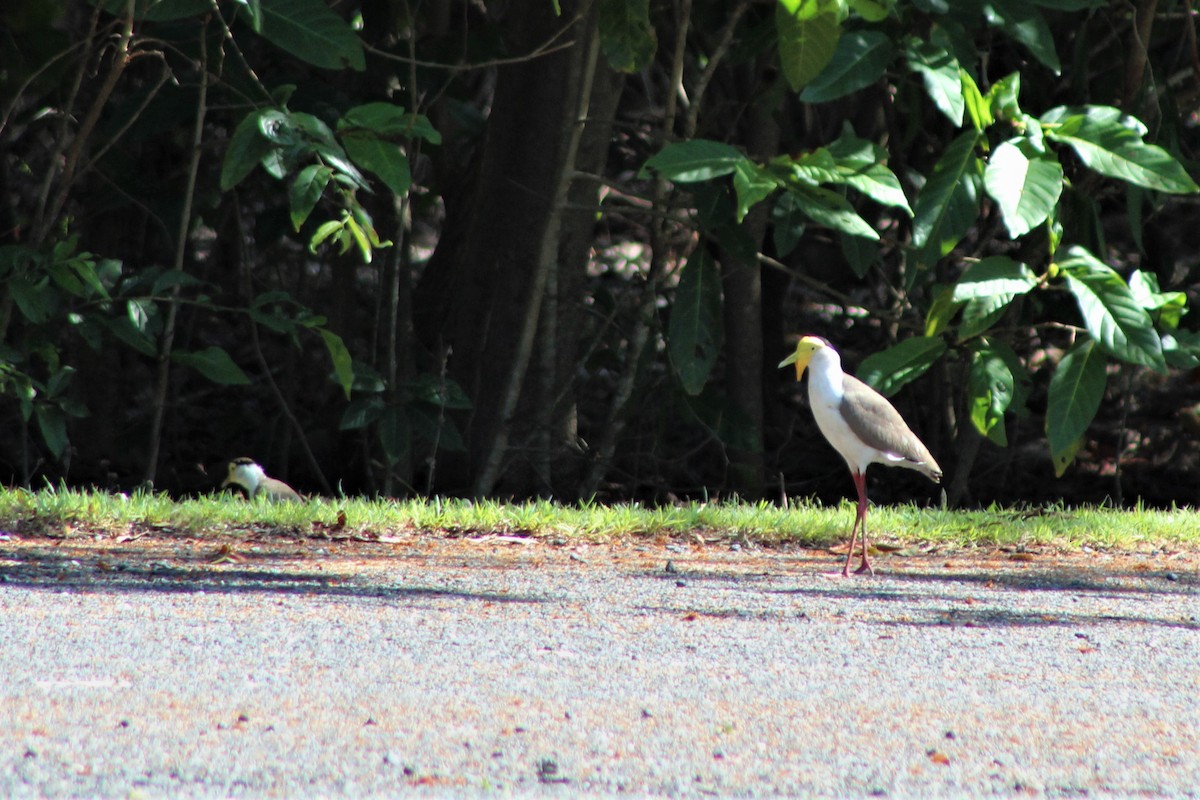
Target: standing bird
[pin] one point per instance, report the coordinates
(860, 424)
(250, 476)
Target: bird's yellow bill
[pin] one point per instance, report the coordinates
(801, 356)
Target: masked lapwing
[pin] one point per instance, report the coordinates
(249, 475)
(860, 424)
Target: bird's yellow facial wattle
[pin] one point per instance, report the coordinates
(803, 354)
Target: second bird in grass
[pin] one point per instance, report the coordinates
(860, 423)
(246, 473)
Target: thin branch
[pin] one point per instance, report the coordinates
(544, 49)
(181, 240)
(710, 69)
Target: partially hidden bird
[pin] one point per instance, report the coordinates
(861, 424)
(250, 476)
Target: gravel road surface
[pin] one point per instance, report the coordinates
(501, 666)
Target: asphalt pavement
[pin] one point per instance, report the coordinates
(498, 666)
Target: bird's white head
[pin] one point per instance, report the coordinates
(246, 473)
(804, 353)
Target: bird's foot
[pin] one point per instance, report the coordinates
(864, 567)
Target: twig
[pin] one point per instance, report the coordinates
(181, 239)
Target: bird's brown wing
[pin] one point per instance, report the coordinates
(876, 421)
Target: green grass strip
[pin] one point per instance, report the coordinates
(65, 512)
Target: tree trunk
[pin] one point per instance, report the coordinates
(482, 287)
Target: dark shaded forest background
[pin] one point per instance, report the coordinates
(490, 309)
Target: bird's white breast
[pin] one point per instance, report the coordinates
(825, 392)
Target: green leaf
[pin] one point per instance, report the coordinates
(872, 10)
(440, 392)
(1171, 306)
(1024, 183)
(36, 299)
(990, 390)
(1076, 390)
(787, 223)
(389, 121)
(694, 160)
(948, 204)
(941, 311)
(1002, 98)
(214, 364)
(306, 191)
(381, 157)
(1111, 314)
(343, 365)
(627, 37)
(247, 148)
(53, 426)
(393, 433)
(127, 332)
(994, 276)
(986, 288)
(860, 253)
(939, 71)
(311, 31)
(1024, 22)
(859, 60)
(253, 13)
(978, 109)
(361, 412)
(1111, 144)
(694, 334)
(878, 183)
(832, 210)
(808, 32)
(902, 363)
(752, 184)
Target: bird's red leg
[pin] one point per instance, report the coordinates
(860, 483)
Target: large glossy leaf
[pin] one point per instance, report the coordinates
(1111, 144)
(394, 433)
(246, 148)
(1076, 390)
(1024, 22)
(214, 364)
(311, 31)
(901, 363)
(305, 192)
(52, 424)
(1170, 306)
(343, 365)
(939, 71)
(949, 202)
(858, 61)
(978, 109)
(994, 276)
(694, 160)
(752, 184)
(1024, 183)
(382, 158)
(788, 223)
(878, 183)
(627, 38)
(990, 390)
(1111, 313)
(831, 209)
(694, 334)
(808, 33)
(390, 120)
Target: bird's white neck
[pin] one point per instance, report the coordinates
(250, 476)
(825, 376)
